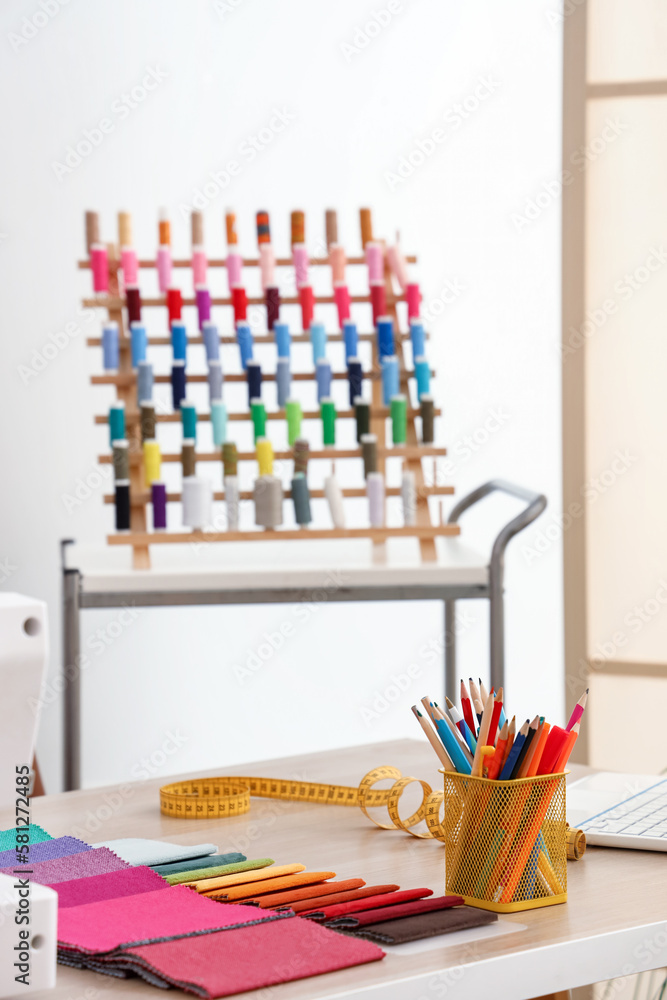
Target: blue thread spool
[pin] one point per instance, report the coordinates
(179, 340)
(244, 340)
(110, 349)
(318, 338)
(423, 376)
(354, 377)
(209, 332)
(351, 338)
(418, 338)
(301, 498)
(214, 380)
(117, 422)
(138, 343)
(177, 384)
(219, 421)
(385, 328)
(390, 378)
(254, 373)
(323, 378)
(189, 420)
(283, 381)
(283, 339)
(144, 382)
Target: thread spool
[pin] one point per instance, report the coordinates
(234, 270)
(334, 497)
(254, 374)
(110, 347)
(199, 265)
(116, 421)
(152, 461)
(355, 378)
(390, 378)
(230, 228)
(366, 225)
(164, 228)
(409, 498)
(301, 498)
(398, 266)
(99, 265)
(374, 253)
(268, 497)
(267, 265)
(294, 416)
(203, 300)
(301, 456)
(328, 413)
(263, 228)
(179, 341)
(230, 459)
(283, 381)
(232, 501)
(418, 339)
(342, 300)
(323, 378)
(369, 453)
(258, 417)
(189, 419)
(121, 460)
(362, 415)
(376, 499)
(197, 502)
(124, 229)
(144, 381)
(214, 378)
(423, 377)
(297, 227)
(331, 227)
(264, 452)
(174, 304)
(399, 419)
(130, 265)
(164, 268)
(211, 340)
(122, 505)
(245, 342)
(338, 262)
(138, 343)
(218, 421)
(272, 306)
(318, 340)
(413, 298)
(159, 505)
(300, 261)
(188, 458)
(239, 303)
(196, 229)
(92, 230)
(133, 300)
(378, 300)
(307, 301)
(428, 419)
(178, 382)
(385, 333)
(351, 339)
(147, 421)
(283, 339)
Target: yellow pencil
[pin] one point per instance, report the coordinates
(478, 760)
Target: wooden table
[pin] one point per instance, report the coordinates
(614, 924)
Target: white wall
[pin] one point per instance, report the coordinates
(227, 66)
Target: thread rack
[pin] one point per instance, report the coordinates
(115, 286)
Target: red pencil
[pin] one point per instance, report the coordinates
(493, 728)
(466, 706)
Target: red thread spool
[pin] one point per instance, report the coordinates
(413, 297)
(174, 303)
(307, 300)
(342, 297)
(240, 302)
(263, 228)
(378, 300)
(99, 264)
(272, 305)
(133, 297)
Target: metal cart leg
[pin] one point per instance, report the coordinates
(72, 674)
(450, 649)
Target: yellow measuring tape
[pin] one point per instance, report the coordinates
(219, 798)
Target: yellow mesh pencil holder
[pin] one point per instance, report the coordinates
(505, 845)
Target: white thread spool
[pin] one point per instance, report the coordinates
(409, 498)
(268, 497)
(375, 491)
(197, 502)
(232, 498)
(332, 492)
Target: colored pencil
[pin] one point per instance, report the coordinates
(441, 716)
(508, 767)
(553, 749)
(561, 764)
(443, 756)
(510, 741)
(499, 755)
(536, 755)
(476, 700)
(483, 693)
(532, 731)
(493, 728)
(578, 711)
(463, 728)
(482, 737)
(503, 717)
(466, 707)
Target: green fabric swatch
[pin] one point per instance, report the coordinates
(36, 834)
(212, 861)
(240, 866)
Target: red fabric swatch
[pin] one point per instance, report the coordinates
(387, 899)
(94, 862)
(110, 885)
(341, 897)
(395, 912)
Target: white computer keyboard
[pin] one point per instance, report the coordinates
(639, 821)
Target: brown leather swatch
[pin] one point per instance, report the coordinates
(425, 925)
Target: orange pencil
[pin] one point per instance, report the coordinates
(527, 760)
(540, 742)
(510, 741)
(497, 759)
(561, 763)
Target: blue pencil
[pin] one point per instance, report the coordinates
(515, 751)
(451, 745)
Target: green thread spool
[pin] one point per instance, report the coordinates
(369, 452)
(293, 413)
(189, 420)
(427, 411)
(116, 422)
(230, 458)
(301, 456)
(328, 412)
(188, 458)
(147, 422)
(121, 460)
(399, 419)
(258, 415)
(362, 413)
(301, 498)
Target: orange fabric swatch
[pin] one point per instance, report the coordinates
(241, 878)
(311, 903)
(307, 893)
(272, 885)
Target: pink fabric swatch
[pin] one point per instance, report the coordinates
(149, 916)
(93, 862)
(111, 885)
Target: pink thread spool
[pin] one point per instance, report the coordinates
(164, 268)
(267, 265)
(239, 302)
(198, 266)
(130, 265)
(338, 262)
(398, 266)
(300, 260)
(413, 298)
(342, 297)
(203, 300)
(234, 268)
(307, 300)
(99, 265)
(378, 300)
(375, 262)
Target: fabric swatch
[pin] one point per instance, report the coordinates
(253, 891)
(293, 896)
(46, 850)
(192, 864)
(246, 875)
(110, 885)
(202, 875)
(138, 851)
(36, 834)
(358, 903)
(93, 862)
(408, 909)
(118, 923)
(425, 925)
